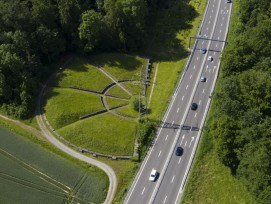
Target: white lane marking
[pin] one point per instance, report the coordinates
(143, 191)
(159, 153)
(185, 143)
(182, 140)
(191, 141)
(221, 24)
(210, 16)
(207, 66)
(223, 18)
(213, 5)
(209, 22)
(220, 31)
(182, 98)
(172, 179)
(166, 138)
(209, 70)
(207, 28)
(214, 53)
(197, 58)
(199, 102)
(202, 42)
(203, 90)
(213, 70)
(178, 110)
(214, 67)
(179, 160)
(194, 67)
(212, 10)
(165, 199)
(218, 38)
(186, 86)
(172, 122)
(216, 45)
(195, 115)
(190, 76)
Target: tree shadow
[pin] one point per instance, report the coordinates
(118, 60)
(162, 43)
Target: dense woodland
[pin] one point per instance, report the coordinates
(35, 33)
(242, 108)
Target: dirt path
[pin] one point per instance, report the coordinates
(50, 137)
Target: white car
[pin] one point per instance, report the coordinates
(210, 58)
(153, 175)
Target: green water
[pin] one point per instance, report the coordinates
(31, 174)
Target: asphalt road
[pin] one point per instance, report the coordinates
(183, 126)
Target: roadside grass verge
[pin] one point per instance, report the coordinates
(82, 74)
(113, 102)
(65, 106)
(117, 91)
(210, 181)
(33, 171)
(121, 66)
(103, 133)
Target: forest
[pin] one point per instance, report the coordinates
(34, 34)
(242, 106)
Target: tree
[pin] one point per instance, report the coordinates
(91, 30)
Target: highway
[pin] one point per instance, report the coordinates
(183, 125)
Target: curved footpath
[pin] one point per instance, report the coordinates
(49, 136)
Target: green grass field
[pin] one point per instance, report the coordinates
(121, 66)
(31, 174)
(65, 106)
(103, 133)
(128, 111)
(113, 102)
(117, 91)
(82, 74)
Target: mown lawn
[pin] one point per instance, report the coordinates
(103, 133)
(121, 66)
(30, 173)
(134, 88)
(113, 102)
(65, 106)
(82, 74)
(128, 111)
(117, 91)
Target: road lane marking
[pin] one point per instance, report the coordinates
(195, 115)
(143, 191)
(215, 54)
(172, 179)
(159, 153)
(199, 102)
(203, 90)
(166, 138)
(182, 98)
(190, 76)
(165, 199)
(179, 160)
(182, 140)
(207, 66)
(197, 58)
(210, 16)
(209, 70)
(209, 22)
(172, 122)
(220, 31)
(185, 143)
(192, 139)
(212, 10)
(223, 18)
(194, 67)
(216, 45)
(207, 28)
(186, 86)
(202, 42)
(178, 110)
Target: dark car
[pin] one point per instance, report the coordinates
(203, 50)
(228, 1)
(179, 151)
(194, 106)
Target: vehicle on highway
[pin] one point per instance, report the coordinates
(179, 151)
(202, 79)
(228, 1)
(153, 175)
(194, 106)
(210, 58)
(203, 50)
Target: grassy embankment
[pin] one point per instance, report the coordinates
(210, 181)
(32, 171)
